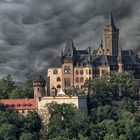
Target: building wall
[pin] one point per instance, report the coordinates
(111, 38)
(79, 101)
(54, 74)
(67, 75)
(81, 74)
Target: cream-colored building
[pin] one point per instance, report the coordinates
(80, 102)
(75, 66)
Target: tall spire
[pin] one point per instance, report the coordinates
(111, 20)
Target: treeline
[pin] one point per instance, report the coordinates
(15, 127)
(8, 89)
(104, 121)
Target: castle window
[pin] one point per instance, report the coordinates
(77, 72)
(86, 71)
(67, 82)
(81, 72)
(77, 79)
(58, 86)
(81, 79)
(89, 72)
(108, 50)
(38, 89)
(55, 71)
(58, 79)
(67, 70)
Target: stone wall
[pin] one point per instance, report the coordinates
(79, 101)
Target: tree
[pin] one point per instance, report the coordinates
(123, 84)
(100, 93)
(128, 126)
(26, 136)
(7, 85)
(128, 105)
(8, 131)
(19, 93)
(32, 122)
(102, 113)
(66, 122)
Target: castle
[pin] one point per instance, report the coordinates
(73, 67)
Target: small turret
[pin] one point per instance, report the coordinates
(120, 61)
(100, 50)
(39, 87)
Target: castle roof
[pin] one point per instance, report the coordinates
(56, 63)
(82, 59)
(20, 104)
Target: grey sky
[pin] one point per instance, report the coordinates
(32, 32)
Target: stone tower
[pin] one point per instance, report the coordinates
(111, 38)
(67, 65)
(39, 87)
(120, 61)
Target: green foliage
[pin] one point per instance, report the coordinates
(100, 93)
(123, 84)
(7, 85)
(20, 93)
(26, 136)
(8, 131)
(128, 105)
(31, 122)
(66, 122)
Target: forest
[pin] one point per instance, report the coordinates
(104, 120)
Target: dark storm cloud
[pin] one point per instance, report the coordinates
(32, 32)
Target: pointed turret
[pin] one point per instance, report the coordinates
(69, 49)
(69, 43)
(100, 50)
(111, 20)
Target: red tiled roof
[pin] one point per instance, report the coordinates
(20, 104)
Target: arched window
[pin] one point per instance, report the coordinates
(58, 86)
(77, 79)
(81, 79)
(81, 72)
(58, 79)
(55, 71)
(38, 89)
(77, 72)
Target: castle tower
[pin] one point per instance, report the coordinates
(111, 38)
(120, 61)
(68, 65)
(39, 87)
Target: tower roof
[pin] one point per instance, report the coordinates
(40, 79)
(111, 20)
(69, 43)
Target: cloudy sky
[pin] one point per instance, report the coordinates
(32, 32)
